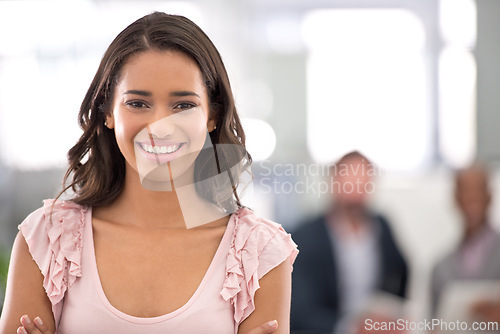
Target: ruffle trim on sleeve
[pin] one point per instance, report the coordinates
(258, 245)
(61, 264)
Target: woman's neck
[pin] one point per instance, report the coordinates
(179, 207)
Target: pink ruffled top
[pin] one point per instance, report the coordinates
(59, 237)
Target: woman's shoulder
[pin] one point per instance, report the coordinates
(58, 209)
(259, 236)
(55, 219)
(258, 245)
(54, 234)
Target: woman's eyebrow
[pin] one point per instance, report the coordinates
(183, 93)
(179, 93)
(138, 92)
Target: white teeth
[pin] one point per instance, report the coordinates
(160, 149)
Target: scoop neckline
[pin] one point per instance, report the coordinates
(148, 320)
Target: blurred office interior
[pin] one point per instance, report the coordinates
(413, 84)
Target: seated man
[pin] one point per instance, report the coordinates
(477, 257)
(345, 255)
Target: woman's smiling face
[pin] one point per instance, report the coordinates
(160, 113)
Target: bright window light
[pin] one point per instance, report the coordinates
(39, 103)
(283, 34)
(260, 138)
(47, 26)
(366, 87)
(457, 82)
(457, 20)
(457, 112)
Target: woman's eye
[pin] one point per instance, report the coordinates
(184, 106)
(136, 104)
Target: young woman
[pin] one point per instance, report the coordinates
(154, 238)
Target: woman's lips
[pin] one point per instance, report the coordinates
(160, 151)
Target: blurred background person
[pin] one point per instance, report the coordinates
(347, 254)
(477, 256)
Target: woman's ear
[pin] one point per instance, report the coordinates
(211, 124)
(110, 121)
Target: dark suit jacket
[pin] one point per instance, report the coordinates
(315, 295)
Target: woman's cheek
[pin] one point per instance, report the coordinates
(199, 137)
(197, 128)
(125, 140)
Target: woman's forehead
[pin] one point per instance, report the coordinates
(157, 69)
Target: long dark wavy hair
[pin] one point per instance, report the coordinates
(96, 165)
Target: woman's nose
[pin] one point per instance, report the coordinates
(163, 125)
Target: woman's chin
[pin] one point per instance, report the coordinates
(177, 173)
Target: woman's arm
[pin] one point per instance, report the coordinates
(25, 293)
(272, 300)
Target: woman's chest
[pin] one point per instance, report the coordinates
(146, 274)
(88, 310)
